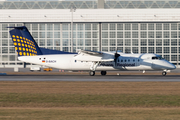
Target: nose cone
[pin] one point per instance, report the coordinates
(171, 66)
(163, 64)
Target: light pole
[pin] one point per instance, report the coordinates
(73, 9)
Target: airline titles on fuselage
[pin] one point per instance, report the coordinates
(118, 64)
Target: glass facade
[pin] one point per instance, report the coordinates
(52, 36)
(159, 38)
(58, 35)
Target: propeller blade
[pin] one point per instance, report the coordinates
(116, 55)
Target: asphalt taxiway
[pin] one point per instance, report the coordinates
(25, 75)
(135, 78)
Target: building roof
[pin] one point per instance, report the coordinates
(90, 4)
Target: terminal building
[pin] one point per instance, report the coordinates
(138, 26)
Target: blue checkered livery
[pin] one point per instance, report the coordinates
(24, 43)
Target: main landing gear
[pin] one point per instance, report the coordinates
(164, 73)
(92, 73)
(103, 72)
(93, 69)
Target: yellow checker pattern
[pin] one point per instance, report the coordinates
(24, 46)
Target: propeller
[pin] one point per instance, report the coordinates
(116, 55)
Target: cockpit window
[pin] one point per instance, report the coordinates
(154, 58)
(157, 58)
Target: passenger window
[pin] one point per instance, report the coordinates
(133, 60)
(121, 60)
(128, 60)
(75, 61)
(124, 60)
(138, 60)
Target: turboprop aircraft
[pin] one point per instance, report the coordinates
(28, 51)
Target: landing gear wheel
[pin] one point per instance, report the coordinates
(91, 73)
(164, 73)
(103, 72)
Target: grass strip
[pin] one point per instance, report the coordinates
(87, 100)
(90, 114)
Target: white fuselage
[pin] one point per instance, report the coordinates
(124, 62)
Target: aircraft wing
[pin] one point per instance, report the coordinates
(93, 56)
(90, 52)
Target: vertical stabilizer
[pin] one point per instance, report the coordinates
(24, 43)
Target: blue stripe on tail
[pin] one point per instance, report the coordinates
(24, 43)
(49, 51)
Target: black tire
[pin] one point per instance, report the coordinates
(164, 73)
(103, 72)
(91, 73)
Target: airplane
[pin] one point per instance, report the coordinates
(28, 51)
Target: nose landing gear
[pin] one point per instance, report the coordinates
(164, 73)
